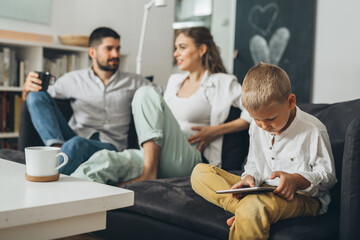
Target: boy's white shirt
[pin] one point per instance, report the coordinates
(303, 148)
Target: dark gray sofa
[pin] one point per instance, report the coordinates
(169, 209)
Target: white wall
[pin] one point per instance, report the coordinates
(337, 45)
(223, 30)
(337, 51)
(80, 17)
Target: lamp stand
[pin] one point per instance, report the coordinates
(158, 3)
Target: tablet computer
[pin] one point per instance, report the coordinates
(247, 190)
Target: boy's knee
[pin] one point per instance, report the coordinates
(201, 168)
(198, 170)
(254, 205)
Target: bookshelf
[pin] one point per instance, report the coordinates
(17, 58)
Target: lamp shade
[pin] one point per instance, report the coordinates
(160, 3)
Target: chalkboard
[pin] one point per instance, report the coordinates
(279, 32)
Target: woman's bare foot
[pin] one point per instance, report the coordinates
(230, 221)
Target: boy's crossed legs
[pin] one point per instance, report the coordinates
(253, 213)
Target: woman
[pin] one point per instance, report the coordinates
(174, 130)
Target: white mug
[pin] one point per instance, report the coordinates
(43, 161)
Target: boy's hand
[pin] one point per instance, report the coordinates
(288, 184)
(247, 181)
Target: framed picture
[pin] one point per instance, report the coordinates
(278, 32)
(37, 11)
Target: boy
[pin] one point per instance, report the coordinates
(289, 149)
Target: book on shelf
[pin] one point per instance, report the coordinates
(1, 68)
(9, 67)
(10, 111)
(3, 111)
(22, 72)
(13, 69)
(17, 107)
(10, 143)
(6, 66)
(60, 64)
(9, 121)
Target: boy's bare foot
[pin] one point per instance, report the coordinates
(230, 221)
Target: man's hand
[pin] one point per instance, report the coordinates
(32, 84)
(288, 184)
(204, 136)
(247, 181)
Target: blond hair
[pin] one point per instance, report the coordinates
(265, 84)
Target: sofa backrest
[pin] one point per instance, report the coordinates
(235, 145)
(336, 117)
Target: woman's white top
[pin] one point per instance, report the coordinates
(221, 91)
(190, 111)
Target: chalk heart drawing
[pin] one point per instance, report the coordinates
(271, 53)
(262, 18)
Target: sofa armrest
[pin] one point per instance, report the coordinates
(350, 183)
(28, 136)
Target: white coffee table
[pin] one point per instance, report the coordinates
(69, 206)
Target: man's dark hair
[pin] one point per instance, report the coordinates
(99, 33)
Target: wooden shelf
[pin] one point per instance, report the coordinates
(16, 43)
(10, 89)
(9, 135)
(32, 56)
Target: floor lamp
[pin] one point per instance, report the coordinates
(156, 3)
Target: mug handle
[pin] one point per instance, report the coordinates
(66, 159)
(52, 79)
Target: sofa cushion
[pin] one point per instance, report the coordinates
(235, 145)
(173, 200)
(336, 117)
(350, 207)
(13, 155)
(337, 147)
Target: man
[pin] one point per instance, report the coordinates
(100, 96)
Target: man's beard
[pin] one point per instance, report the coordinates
(108, 67)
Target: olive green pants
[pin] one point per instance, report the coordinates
(255, 212)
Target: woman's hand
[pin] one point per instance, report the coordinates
(32, 84)
(204, 136)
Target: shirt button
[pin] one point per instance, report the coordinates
(292, 159)
(272, 158)
(270, 148)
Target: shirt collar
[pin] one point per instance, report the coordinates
(205, 82)
(95, 78)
